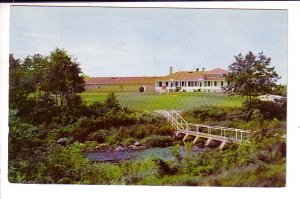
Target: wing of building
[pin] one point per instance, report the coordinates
(181, 81)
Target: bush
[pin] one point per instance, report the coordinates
(157, 141)
(266, 110)
(112, 102)
(129, 141)
(113, 139)
(98, 136)
(206, 113)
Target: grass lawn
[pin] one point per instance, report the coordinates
(157, 101)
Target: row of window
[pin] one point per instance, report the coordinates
(190, 84)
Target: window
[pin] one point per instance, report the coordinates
(200, 84)
(159, 84)
(189, 84)
(196, 83)
(215, 83)
(208, 83)
(221, 83)
(205, 83)
(182, 83)
(167, 84)
(176, 84)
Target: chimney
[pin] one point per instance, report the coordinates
(203, 69)
(171, 70)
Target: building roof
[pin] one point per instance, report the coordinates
(218, 71)
(184, 75)
(195, 75)
(177, 76)
(120, 80)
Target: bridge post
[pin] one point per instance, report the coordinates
(222, 144)
(185, 137)
(208, 141)
(209, 131)
(196, 139)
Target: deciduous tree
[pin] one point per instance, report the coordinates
(251, 75)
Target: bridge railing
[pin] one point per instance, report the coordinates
(224, 132)
(220, 132)
(174, 121)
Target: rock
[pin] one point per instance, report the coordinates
(103, 145)
(137, 144)
(142, 147)
(62, 141)
(133, 147)
(97, 148)
(119, 148)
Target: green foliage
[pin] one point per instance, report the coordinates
(98, 136)
(266, 110)
(176, 153)
(129, 141)
(43, 89)
(45, 106)
(205, 113)
(157, 141)
(250, 75)
(280, 90)
(139, 172)
(112, 102)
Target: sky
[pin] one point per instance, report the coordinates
(110, 41)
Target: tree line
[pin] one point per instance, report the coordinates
(49, 83)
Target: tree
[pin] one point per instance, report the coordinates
(112, 102)
(16, 93)
(63, 77)
(38, 82)
(250, 75)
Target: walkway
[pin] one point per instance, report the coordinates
(223, 135)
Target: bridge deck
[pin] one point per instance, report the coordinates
(223, 134)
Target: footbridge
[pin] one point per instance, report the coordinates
(222, 135)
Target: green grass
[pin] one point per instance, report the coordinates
(157, 101)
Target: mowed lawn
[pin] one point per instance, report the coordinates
(158, 101)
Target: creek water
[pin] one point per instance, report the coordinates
(136, 155)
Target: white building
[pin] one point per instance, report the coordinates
(192, 81)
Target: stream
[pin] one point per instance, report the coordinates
(137, 155)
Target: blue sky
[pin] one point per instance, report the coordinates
(147, 41)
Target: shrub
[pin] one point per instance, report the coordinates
(98, 136)
(157, 141)
(112, 102)
(165, 129)
(113, 139)
(266, 110)
(205, 113)
(129, 141)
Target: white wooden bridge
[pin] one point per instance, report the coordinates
(217, 133)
